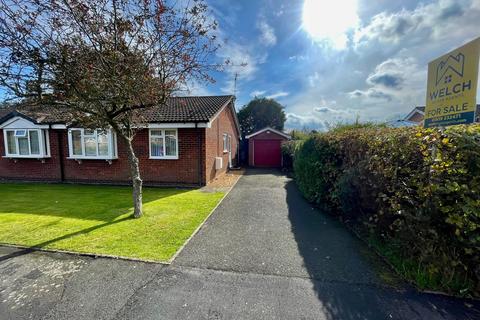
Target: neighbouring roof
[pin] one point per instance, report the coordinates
(268, 129)
(401, 123)
(420, 108)
(177, 110)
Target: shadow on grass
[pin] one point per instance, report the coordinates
(100, 203)
(63, 237)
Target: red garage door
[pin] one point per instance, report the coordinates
(267, 153)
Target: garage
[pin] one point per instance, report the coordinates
(265, 148)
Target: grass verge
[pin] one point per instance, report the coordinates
(98, 219)
(418, 273)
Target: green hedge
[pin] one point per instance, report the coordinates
(288, 152)
(414, 192)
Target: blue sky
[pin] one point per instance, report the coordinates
(340, 59)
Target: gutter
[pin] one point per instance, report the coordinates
(60, 156)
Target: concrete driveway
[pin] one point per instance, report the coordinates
(264, 254)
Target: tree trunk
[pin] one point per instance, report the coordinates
(136, 179)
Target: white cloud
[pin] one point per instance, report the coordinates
(381, 73)
(322, 115)
(308, 122)
(326, 110)
(399, 79)
(257, 93)
(314, 79)
(370, 93)
(263, 93)
(297, 58)
(321, 119)
(280, 11)
(437, 20)
(195, 88)
(277, 95)
(330, 22)
(243, 64)
(267, 33)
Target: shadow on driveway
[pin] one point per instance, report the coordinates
(326, 246)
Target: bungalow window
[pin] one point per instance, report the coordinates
(26, 143)
(92, 144)
(163, 144)
(225, 142)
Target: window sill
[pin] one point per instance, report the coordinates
(25, 157)
(163, 158)
(92, 158)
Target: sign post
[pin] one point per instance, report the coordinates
(452, 87)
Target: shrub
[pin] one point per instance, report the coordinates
(415, 190)
(288, 151)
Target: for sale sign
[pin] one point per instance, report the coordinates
(452, 87)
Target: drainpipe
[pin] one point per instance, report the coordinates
(60, 156)
(238, 153)
(200, 170)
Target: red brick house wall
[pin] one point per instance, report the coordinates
(224, 123)
(48, 169)
(184, 170)
(195, 165)
(261, 136)
(417, 117)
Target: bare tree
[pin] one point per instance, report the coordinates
(105, 60)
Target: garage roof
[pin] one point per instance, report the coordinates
(268, 129)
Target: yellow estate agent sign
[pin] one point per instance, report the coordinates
(452, 87)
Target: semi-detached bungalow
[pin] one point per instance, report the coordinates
(190, 141)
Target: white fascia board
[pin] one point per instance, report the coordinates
(237, 124)
(58, 126)
(178, 125)
(22, 123)
(415, 110)
(268, 129)
(411, 114)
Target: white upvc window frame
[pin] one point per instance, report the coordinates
(164, 157)
(225, 142)
(111, 141)
(43, 141)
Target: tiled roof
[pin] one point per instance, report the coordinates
(177, 109)
(187, 109)
(44, 114)
(420, 108)
(4, 112)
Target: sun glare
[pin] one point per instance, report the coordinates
(330, 20)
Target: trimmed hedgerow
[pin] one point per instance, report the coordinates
(288, 151)
(414, 192)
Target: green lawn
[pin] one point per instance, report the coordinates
(98, 219)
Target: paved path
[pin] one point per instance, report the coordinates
(264, 254)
